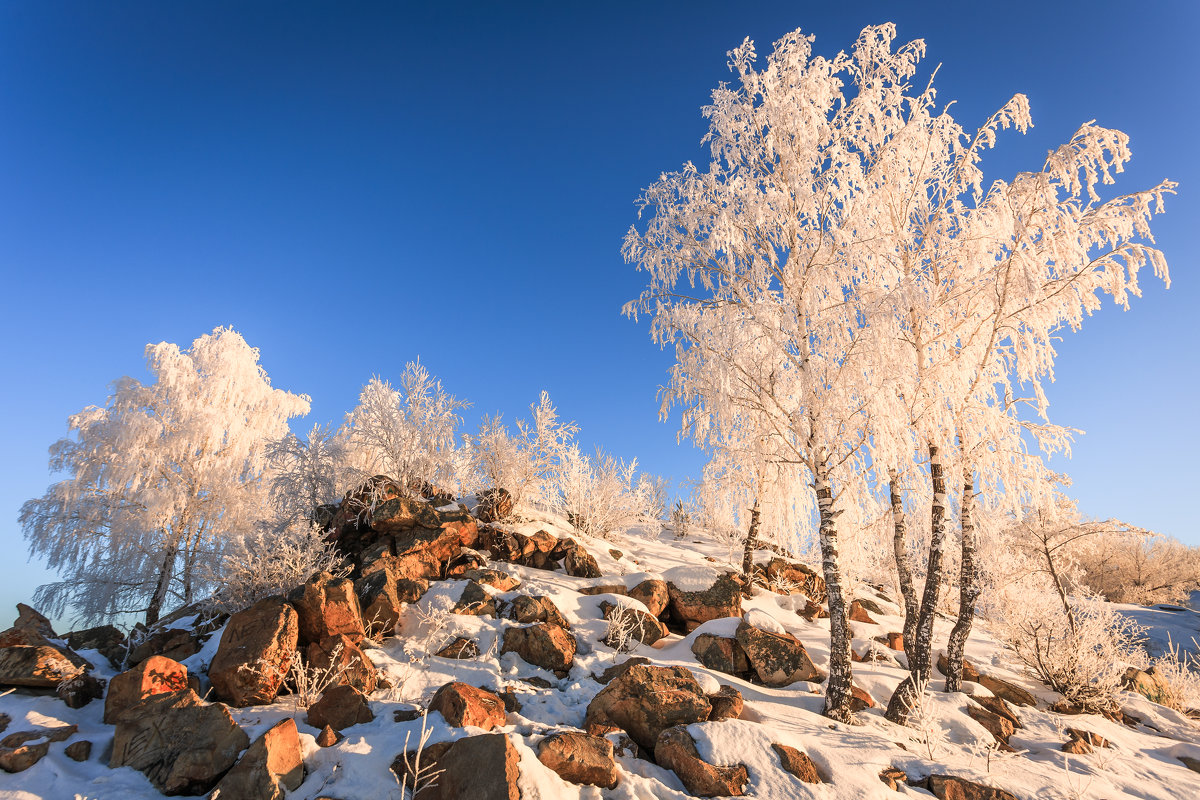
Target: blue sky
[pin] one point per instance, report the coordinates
(355, 185)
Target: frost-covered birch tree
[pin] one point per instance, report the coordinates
(156, 480)
(750, 276)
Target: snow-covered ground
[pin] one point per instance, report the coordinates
(1143, 762)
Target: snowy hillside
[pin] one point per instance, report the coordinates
(1139, 758)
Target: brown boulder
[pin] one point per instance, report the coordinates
(475, 602)
(720, 653)
(462, 705)
(419, 772)
(401, 514)
(500, 581)
(858, 612)
(638, 624)
(893, 640)
(173, 643)
(1148, 683)
(675, 750)
(270, 769)
(156, 675)
(382, 595)
(17, 754)
(340, 707)
(948, 787)
(999, 727)
(41, 666)
(461, 648)
(106, 639)
(182, 744)
(1007, 691)
(527, 609)
(646, 700)
(693, 609)
(797, 763)
(580, 758)
(327, 606)
(579, 563)
(653, 594)
(255, 653)
(550, 647)
(999, 707)
(727, 703)
(339, 654)
(779, 659)
(77, 692)
(480, 768)
(894, 777)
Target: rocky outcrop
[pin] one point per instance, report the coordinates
(463, 705)
(542, 644)
(645, 700)
(173, 643)
(180, 743)
(255, 653)
(778, 659)
(1148, 683)
(156, 675)
(690, 610)
(80, 690)
(999, 727)
(580, 758)
(272, 767)
(327, 606)
(41, 666)
(676, 750)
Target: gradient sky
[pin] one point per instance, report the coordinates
(353, 185)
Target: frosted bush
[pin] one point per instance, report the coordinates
(1081, 653)
(270, 562)
(597, 494)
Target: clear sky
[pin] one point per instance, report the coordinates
(354, 185)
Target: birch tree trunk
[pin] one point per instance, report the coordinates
(165, 574)
(751, 541)
(837, 689)
(908, 590)
(968, 590)
(921, 661)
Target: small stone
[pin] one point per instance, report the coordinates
(726, 704)
(798, 763)
(550, 647)
(461, 648)
(79, 751)
(328, 737)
